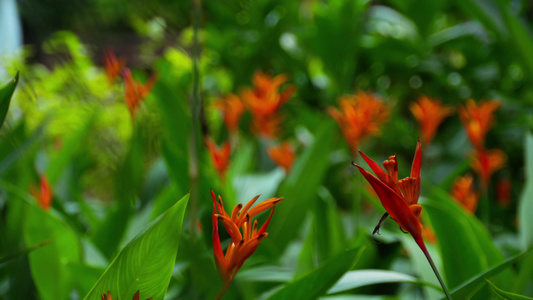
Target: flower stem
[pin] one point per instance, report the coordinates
(223, 290)
(430, 260)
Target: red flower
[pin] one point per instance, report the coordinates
(232, 109)
(360, 117)
(113, 66)
(429, 113)
(243, 244)
(477, 120)
(400, 198)
(220, 157)
(135, 92)
(44, 194)
(486, 162)
(463, 192)
(283, 155)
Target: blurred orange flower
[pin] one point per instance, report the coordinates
(243, 244)
(232, 109)
(265, 100)
(503, 191)
(113, 66)
(486, 162)
(220, 157)
(478, 119)
(108, 296)
(283, 155)
(44, 194)
(463, 192)
(135, 91)
(360, 116)
(429, 113)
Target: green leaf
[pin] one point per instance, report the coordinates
(506, 295)
(525, 207)
(359, 278)
(460, 232)
(60, 160)
(317, 282)
(469, 287)
(49, 264)
(145, 264)
(299, 189)
(6, 93)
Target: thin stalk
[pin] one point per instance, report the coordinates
(223, 290)
(195, 116)
(422, 246)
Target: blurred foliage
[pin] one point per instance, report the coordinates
(112, 174)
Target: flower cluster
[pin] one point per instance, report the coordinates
(359, 117)
(44, 194)
(429, 113)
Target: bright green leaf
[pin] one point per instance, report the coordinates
(145, 264)
(6, 92)
(317, 282)
(525, 207)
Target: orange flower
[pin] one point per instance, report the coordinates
(232, 109)
(400, 198)
(463, 192)
(360, 116)
(135, 91)
(243, 244)
(113, 66)
(44, 195)
(283, 155)
(108, 296)
(477, 120)
(503, 191)
(265, 100)
(486, 162)
(220, 157)
(429, 113)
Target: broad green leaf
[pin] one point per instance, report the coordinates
(145, 264)
(49, 264)
(359, 278)
(6, 92)
(525, 207)
(506, 295)
(299, 189)
(60, 160)
(470, 286)
(317, 282)
(460, 232)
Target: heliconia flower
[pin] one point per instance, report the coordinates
(503, 191)
(400, 198)
(135, 92)
(359, 117)
(232, 109)
(429, 113)
(113, 66)
(486, 162)
(220, 157)
(245, 237)
(463, 192)
(44, 194)
(283, 155)
(108, 296)
(477, 120)
(266, 99)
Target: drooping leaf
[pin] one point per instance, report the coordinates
(317, 282)
(359, 278)
(525, 207)
(6, 92)
(506, 295)
(147, 261)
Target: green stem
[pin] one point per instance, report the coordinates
(430, 260)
